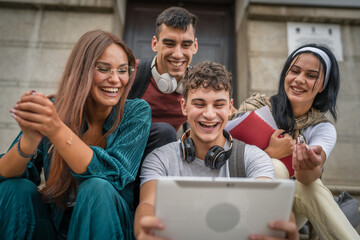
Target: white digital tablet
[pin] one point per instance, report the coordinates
(221, 208)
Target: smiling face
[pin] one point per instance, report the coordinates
(207, 112)
(175, 49)
(107, 88)
(303, 82)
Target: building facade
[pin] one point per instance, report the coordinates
(36, 37)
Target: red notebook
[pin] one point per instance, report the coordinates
(253, 129)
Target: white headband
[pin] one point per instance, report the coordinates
(324, 57)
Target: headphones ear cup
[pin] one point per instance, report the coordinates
(189, 150)
(215, 157)
(166, 83)
(180, 88)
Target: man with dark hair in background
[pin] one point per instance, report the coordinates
(157, 80)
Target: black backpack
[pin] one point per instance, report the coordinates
(142, 78)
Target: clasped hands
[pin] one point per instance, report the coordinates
(36, 115)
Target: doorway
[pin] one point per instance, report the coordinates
(214, 31)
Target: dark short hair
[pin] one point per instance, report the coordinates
(177, 18)
(207, 75)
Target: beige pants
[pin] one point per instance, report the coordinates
(316, 203)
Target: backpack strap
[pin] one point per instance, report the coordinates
(236, 160)
(142, 79)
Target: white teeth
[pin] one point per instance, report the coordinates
(111, 90)
(208, 124)
(298, 90)
(176, 64)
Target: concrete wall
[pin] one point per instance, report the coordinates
(36, 38)
(266, 39)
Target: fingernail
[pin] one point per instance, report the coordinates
(161, 225)
(33, 92)
(271, 224)
(14, 116)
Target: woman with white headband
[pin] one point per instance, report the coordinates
(308, 89)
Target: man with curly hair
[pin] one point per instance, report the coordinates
(207, 104)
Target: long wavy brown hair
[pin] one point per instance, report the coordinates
(70, 103)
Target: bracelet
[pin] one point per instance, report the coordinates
(21, 153)
(68, 142)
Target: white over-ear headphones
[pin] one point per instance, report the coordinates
(165, 82)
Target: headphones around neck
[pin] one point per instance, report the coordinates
(164, 82)
(215, 158)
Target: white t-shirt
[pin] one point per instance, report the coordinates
(322, 134)
(167, 161)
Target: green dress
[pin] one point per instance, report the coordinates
(104, 202)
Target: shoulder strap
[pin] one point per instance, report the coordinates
(142, 79)
(236, 160)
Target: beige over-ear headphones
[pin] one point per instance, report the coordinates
(164, 82)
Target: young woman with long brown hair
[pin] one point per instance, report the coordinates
(88, 139)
